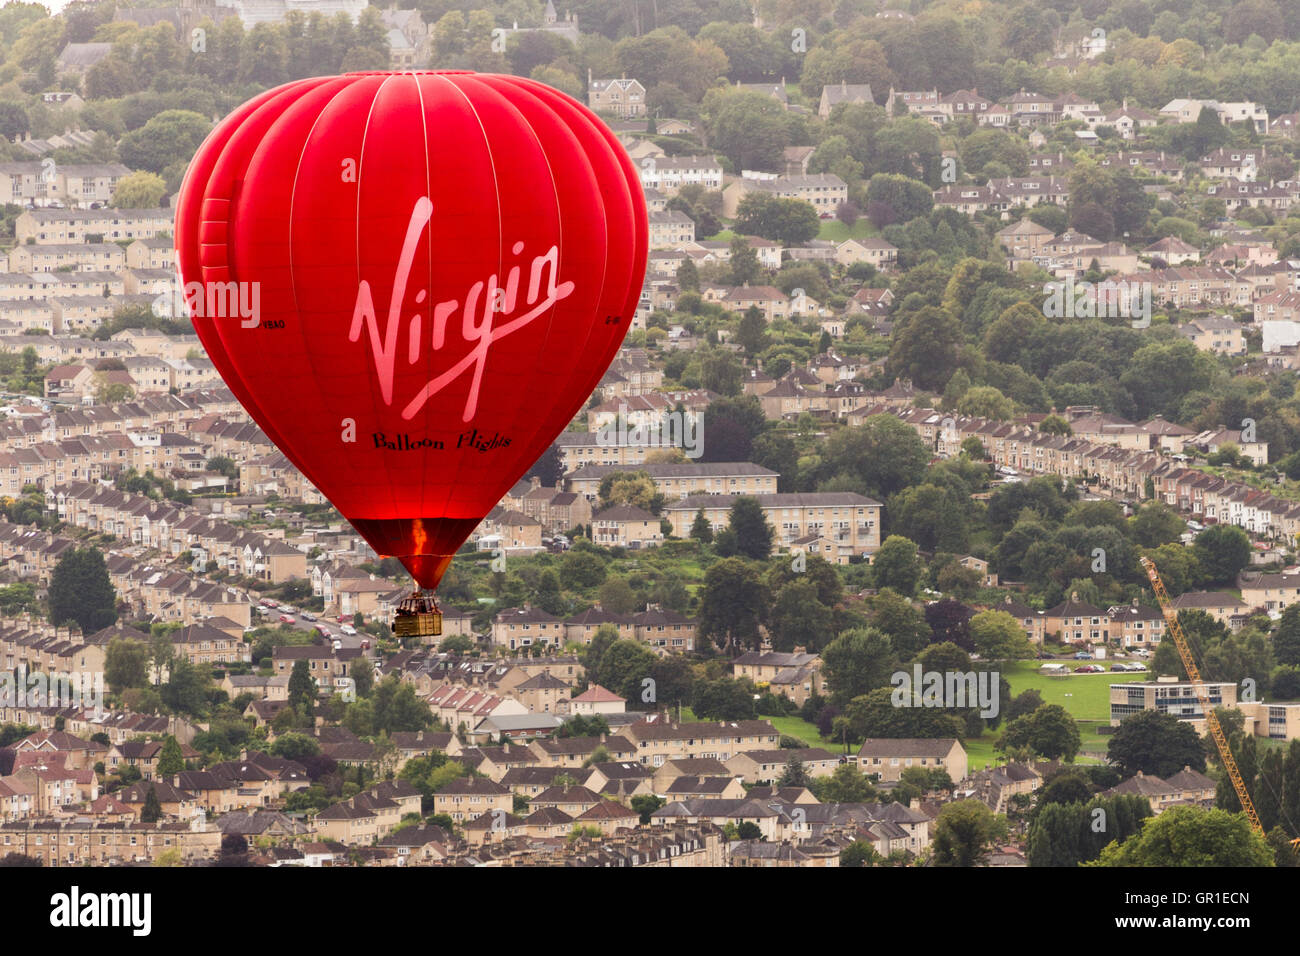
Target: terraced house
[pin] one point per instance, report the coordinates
(657, 739)
(851, 522)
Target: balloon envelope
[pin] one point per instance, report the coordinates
(412, 282)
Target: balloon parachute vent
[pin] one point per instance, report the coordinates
(418, 615)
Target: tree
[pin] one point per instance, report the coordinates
(732, 602)
(859, 853)
(454, 644)
(617, 596)
(751, 333)
(701, 529)
(934, 516)
(171, 136)
(397, 708)
(581, 569)
(905, 626)
(745, 267)
(635, 488)
(984, 401)
(998, 636)
(302, 688)
(726, 698)
(846, 784)
(750, 526)
(1156, 524)
(581, 725)
(13, 121)
(1055, 425)
(899, 198)
(549, 468)
(623, 667)
(1026, 702)
(857, 662)
(799, 618)
(1286, 638)
(1070, 787)
(1065, 833)
(965, 833)
(926, 347)
(877, 715)
(1156, 744)
(1223, 550)
(139, 190)
(646, 804)
(1191, 836)
(883, 453)
(152, 810)
(126, 664)
(80, 591)
(788, 221)
(793, 775)
(170, 759)
(688, 276)
(897, 566)
(751, 129)
(363, 675)
(1049, 731)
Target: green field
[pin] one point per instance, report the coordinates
(833, 230)
(1085, 696)
(798, 727)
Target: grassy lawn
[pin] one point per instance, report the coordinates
(1085, 696)
(798, 727)
(833, 230)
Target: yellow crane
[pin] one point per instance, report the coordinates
(1202, 694)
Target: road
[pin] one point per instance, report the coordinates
(271, 618)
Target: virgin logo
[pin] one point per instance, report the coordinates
(482, 302)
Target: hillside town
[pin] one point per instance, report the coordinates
(951, 319)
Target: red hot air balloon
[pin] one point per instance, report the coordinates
(412, 282)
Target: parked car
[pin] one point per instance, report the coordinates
(1082, 656)
(307, 616)
(286, 619)
(1089, 669)
(267, 602)
(349, 630)
(343, 618)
